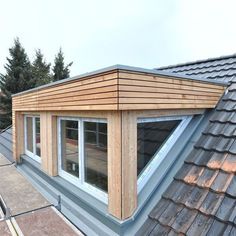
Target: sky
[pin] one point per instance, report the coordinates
(100, 33)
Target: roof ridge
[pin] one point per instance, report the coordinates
(197, 62)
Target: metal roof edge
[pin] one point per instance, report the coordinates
(125, 68)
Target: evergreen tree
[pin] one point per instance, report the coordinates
(16, 79)
(60, 71)
(40, 70)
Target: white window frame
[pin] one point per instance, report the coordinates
(166, 147)
(33, 154)
(79, 181)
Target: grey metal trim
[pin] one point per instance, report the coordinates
(123, 68)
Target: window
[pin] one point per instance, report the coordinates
(155, 137)
(95, 154)
(32, 137)
(83, 154)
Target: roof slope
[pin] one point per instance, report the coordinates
(6, 143)
(201, 200)
(217, 69)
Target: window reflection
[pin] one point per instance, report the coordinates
(69, 147)
(95, 154)
(151, 137)
(29, 133)
(37, 138)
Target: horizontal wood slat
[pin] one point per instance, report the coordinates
(135, 76)
(121, 90)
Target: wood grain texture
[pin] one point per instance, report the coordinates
(129, 163)
(18, 135)
(115, 164)
(121, 90)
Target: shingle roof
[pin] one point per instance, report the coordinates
(218, 69)
(201, 200)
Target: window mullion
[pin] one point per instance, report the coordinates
(25, 132)
(81, 150)
(34, 135)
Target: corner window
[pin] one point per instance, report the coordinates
(32, 137)
(83, 154)
(155, 138)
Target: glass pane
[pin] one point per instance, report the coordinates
(151, 137)
(69, 147)
(29, 133)
(102, 127)
(90, 126)
(95, 155)
(37, 132)
(90, 137)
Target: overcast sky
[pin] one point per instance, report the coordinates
(99, 33)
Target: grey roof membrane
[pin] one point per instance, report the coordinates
(201, 200)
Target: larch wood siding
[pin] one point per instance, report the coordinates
(138, 91)
(121, 90)
(96, 93)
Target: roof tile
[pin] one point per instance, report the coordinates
(233, 147)
(217, 228)
(229, 164)
(227, 230)
(183, 194)
(183, 171)
(169, 215)
(159, 208)
(232, 217)
(233, 231)
(207, 177)
(221, 182)
(222, 116)
(184, 220)
(211, 203)
(199, 157)
(173, 233)
(193, 174)
(226, 208)
(223, 129)
(216, 160)
(196, 197)
(173, 189)
(146, 228)
(231, 190)
(200, 225)
(160, 230)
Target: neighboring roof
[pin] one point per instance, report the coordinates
(122, 68)
(216, 69)
(201, 200)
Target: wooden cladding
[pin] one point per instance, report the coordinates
(121, 90)
(138, 91)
